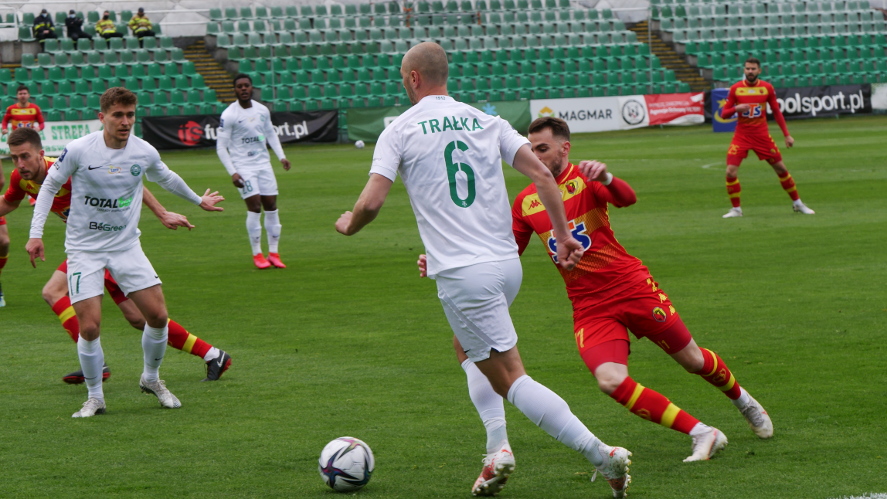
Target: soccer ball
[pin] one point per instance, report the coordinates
(346, 464)
(359, 144)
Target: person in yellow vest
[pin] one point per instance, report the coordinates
(44, 29)
(105, 28)
(141, 25)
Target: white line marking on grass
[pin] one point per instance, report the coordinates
(710, 165)
(870, 495)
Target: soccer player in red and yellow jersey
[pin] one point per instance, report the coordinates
(750, 98)
(23, 113)
(613, 292)
(31, 165)
(4, 239)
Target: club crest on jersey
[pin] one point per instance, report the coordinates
(571, 186)
(135, 170)
(659, 315)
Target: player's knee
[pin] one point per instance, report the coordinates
(137, 323)
(608, 381)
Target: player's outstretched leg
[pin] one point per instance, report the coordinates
(498, 463)
(707, 441)
(216, 360)
(551, 413)
(715, 371)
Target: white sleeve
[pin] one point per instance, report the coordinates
(223, 139)
(55, 178)
(509, 141)
(272, 138)
(386, 156)
(158, 172)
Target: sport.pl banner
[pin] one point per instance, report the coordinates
(187, 132)
(599, 114)
(56, 135)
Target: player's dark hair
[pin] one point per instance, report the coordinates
(241, 76)
(24, 135)
(117, 95)
(558, 127)
(753, 60)
(22, 87)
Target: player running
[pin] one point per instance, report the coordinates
(105, 170)
(244, 129)
(449, 156)
(31, 167)
(749, 99)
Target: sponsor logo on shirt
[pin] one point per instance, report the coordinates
(107, 203)
(250, 140)
(101, 226)
(114, 170)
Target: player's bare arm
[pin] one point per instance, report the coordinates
(367, 206)
(569, 250)
(209, 200)
(169, 219)
(237, 180)
(35, 250)
(7, 207)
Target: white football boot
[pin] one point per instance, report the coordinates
(497, 468)
(90, 408)
(733, 213)
(615, 470)
(707, 444)
(158, 388)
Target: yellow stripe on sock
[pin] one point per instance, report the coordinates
(189, 343)
(668, 417)
(729, 385)
(733, 195)
(715, 358)
(793, 188)
(733, 182)
(635, 396)
(66, 314)
(786, 177)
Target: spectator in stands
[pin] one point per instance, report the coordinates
(75, 26)
(44, 29)
(105, 28)
(141, 25)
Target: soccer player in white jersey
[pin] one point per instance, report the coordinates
(106, 169)
(244, 129)
(450, 158)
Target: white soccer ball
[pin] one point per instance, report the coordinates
(346, 464)
(359, 144)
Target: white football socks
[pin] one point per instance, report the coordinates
(154, 347)
(489, 407)
(92, 361)
(254, 230)
(272, 230)
(551, 413)
(743, 399)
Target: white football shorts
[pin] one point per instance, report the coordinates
(258, 183)
(475, 300)
(86, 272)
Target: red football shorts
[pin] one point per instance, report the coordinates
(110, 284)
(762, 144)
(601, 328)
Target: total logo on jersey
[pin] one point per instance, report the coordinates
(107, 203)
(250, 140)
(101, 226)
(578, 232)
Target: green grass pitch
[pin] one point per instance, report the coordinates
(350, 341)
